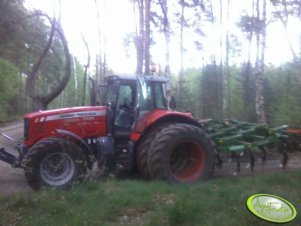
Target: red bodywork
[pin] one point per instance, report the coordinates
(148, 119)
(294, 131)
(86, 122)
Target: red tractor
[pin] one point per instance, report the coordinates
(135, 130)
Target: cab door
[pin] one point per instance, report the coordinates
(124, 109)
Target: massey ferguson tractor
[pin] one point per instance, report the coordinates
(135, 130)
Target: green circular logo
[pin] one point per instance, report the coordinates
(271, 208)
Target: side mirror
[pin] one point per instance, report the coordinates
(172, 103)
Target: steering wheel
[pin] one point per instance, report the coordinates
(126, 104)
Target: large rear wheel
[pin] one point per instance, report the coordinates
(55, 162)
(144, 147)
(181, 153)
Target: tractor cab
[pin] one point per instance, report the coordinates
(129, 98)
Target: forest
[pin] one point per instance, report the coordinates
(235, 72)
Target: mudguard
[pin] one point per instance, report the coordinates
(67, 133)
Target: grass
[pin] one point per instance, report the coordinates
(216, 202)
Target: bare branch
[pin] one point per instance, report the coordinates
(57, 90)
(30, 84)
(86, 69)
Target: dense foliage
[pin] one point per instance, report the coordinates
(8, 87)
(282, 92)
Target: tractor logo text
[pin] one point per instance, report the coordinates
(74, 115)
(271, 208)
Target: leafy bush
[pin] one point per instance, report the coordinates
(8, 86)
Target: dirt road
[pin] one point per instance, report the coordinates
(12, 179)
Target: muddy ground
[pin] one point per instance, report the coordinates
(12, 179)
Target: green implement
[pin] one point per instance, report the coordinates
(238, 138)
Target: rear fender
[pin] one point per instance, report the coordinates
(161, 116)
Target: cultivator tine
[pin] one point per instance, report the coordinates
(219, 161)
(232, 156)
(252, 160)
(264, 155)
(237, 171)
(284, 159)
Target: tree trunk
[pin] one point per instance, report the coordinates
(223, 79)
(41, 102)
(227, 79)
(104, 56)
(299, 16)
(249, 113)
(181, 74)
(259, 73)
(139, 39)
(100, 55)
(60, 87)
(30, 82)
(75, 80)
(86, 70)
(147, 37)
(93, 101)
(166, 30)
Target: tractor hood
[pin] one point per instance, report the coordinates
(62, 113)
(85, 122)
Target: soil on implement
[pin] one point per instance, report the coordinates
(12, 180)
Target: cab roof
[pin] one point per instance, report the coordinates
(133, 77)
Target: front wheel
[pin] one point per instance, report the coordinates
(55, 162)
(181, 153)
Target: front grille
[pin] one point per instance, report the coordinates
(26, 128)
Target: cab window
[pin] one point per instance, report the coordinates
(145, 99)
(125, 95)
(159, 96)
